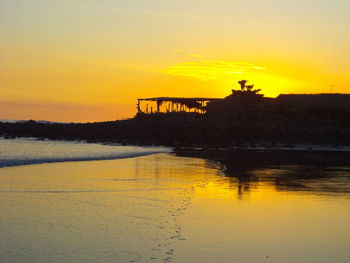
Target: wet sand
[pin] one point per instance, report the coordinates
(165, 208)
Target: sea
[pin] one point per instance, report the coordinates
(16, 152)
(86, 202)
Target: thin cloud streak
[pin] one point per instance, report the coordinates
(195, 55)
(190, 16)
(211, 70)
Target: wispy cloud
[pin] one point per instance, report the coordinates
(177, 50)
(180, 15)
(195, 55)
(211, 70)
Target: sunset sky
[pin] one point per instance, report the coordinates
(89, 60)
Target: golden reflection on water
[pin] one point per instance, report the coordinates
(164, 208)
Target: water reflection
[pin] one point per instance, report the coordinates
(321, 173)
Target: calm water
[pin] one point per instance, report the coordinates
(167, 208)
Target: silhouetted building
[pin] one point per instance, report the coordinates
(246, 103)
(314, 106)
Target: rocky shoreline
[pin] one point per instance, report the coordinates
(196, 131)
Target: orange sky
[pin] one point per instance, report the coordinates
(88, 60)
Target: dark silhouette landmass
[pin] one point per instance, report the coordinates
(245, 118)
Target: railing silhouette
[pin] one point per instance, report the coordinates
(172, 104)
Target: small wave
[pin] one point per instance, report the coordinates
(85, 191)
(28, 151)
(20, 162)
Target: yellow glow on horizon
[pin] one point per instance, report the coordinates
(212, 70)
(225, 72)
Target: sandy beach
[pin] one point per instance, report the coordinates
(164, 208)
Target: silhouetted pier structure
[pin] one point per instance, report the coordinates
(247, 101)
(173, 104)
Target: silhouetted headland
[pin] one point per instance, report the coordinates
(244, 119)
